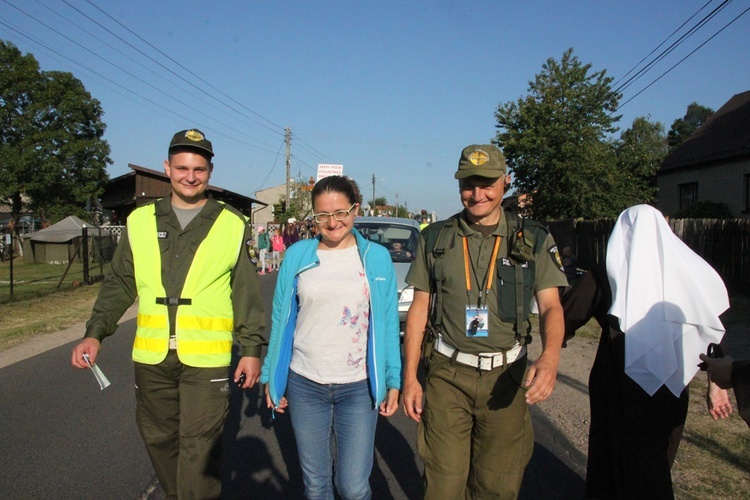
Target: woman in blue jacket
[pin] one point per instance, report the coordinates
(334, 355)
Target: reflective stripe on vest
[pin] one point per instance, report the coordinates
(204, 327)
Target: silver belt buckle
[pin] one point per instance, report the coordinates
(491, 360)
(172, 343)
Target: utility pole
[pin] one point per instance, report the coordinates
(288, 138)
(373, 194)
(396, 214)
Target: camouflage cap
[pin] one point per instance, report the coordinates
(191, 138)
(483, 160)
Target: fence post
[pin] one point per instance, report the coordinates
(10, 269)
(85, 254)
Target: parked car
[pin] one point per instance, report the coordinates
(399, 236)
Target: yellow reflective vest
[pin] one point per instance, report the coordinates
(204, 321)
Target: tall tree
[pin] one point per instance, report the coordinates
(554, 140)
(683, 127)
(639, 151)
(52, 155)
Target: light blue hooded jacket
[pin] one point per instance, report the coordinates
(383, 342)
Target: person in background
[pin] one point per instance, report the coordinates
(184, 257)
(302, 229)
(264, 243)
(399, 253)
(475, 435)
(277, 246)
(658, 304)
(334, 354)
(728, 373)
(290, 233)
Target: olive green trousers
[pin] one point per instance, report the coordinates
(180, 412)
(475, 437)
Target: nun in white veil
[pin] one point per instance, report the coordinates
(658, 304)
(667, 298)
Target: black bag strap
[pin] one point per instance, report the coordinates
(437, 242)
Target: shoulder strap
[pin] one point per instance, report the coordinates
(438, 238)
(527, 236)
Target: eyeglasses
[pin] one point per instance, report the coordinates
(339, 215)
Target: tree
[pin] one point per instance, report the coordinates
(695, 116)
(380, 201)
(639, 152)
(53, 159)
(301, 201)
(554, 141)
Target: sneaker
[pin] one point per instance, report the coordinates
(262, 273)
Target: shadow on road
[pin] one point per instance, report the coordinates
(401, 460)
(249, 469)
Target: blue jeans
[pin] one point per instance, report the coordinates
(328, 416)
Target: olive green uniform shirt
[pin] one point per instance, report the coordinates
(544, 272)
(178, 247)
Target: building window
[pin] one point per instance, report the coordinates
(688, 195)
(747, 193)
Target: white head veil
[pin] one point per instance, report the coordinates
(667, 298)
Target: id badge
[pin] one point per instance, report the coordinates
(477, 321)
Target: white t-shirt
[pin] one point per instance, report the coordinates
(330, 340)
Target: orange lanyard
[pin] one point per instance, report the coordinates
(490, 273)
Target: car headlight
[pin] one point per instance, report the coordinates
(407, 294)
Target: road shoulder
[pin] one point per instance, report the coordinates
(44, 342)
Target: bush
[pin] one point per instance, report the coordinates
(705, 210)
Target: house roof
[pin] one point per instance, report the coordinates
(724, 136)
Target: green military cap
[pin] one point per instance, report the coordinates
(483, 160)
(191, 138)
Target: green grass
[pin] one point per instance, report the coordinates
(36, 279)
(21, 320)
(714, 456)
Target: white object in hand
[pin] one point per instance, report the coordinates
(103, 381)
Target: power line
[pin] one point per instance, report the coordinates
(135, 77)
(662, 43)
(684, 58)
(169, 81)
(278, 127)
(270, 171)
(113, 82)
(673, 46)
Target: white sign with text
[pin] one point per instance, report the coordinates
(324, 170)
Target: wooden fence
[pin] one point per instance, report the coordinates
(723, 243)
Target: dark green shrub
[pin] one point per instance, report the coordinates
(705, 210)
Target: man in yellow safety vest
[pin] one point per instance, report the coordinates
(184, 257)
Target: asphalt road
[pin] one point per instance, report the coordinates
(63, 438)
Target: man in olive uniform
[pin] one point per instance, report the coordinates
(184, 258)
(473, 276)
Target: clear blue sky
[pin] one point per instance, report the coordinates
(394, 89)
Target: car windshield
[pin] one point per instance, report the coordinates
(399, 239)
